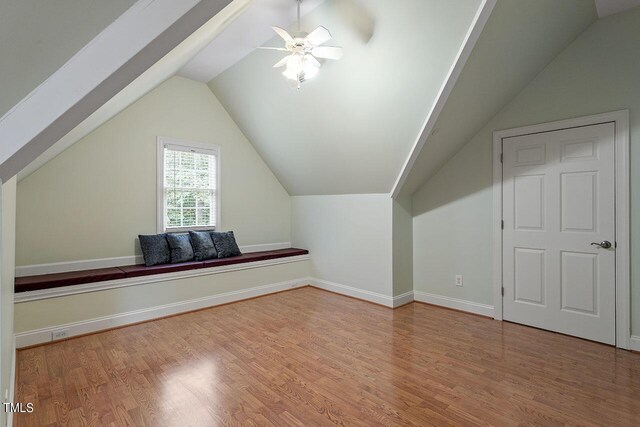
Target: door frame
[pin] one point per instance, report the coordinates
(622, 225)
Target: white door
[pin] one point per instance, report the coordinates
(558, 199)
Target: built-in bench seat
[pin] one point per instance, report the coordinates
(49, 281)
(143, 270)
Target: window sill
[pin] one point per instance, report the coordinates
(187, 229)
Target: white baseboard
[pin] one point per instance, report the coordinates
(90, 264)
(43, 335)
(402, 299)
(353, 292)
(635, 343)
(455, 303)
(39, 336)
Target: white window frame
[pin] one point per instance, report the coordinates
(200, 147)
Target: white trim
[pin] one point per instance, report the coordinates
(143, 280)
(634, 343)
(90, 264)
(455, 303)
(43, 335)
(201, 147)
(469, 42)
(623, 286)
(39, 336)
(402, 299)
(350, 291)
(140, 37)
(497, 227)
(12, 378)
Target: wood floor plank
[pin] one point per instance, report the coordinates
(309, 357)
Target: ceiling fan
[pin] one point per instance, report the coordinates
(302, 64)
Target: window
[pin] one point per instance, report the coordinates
(188, 184)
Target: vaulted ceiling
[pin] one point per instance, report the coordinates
(517, 42)
(350, 129)
(38, 37)
(610, 7)
(240, 38)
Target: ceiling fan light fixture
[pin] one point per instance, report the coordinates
(309, 70)
(301, 64)
(301, 68)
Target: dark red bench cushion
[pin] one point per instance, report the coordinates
(47, 281)
(217, 262)
(283, 253)
(142, 270)
(254, 256)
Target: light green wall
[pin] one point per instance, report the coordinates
(452, 226)
(349, 238)
(38, 37)
(7, 267)
(402, 246)
(361, 241)
(597, 73)
(366, 110)
(81, 307)
(93, 199)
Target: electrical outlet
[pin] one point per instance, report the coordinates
(60, 334)
(459, 280)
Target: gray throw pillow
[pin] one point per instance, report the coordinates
(180, 245)
(203, 247)
(225, 243)
(155, 249)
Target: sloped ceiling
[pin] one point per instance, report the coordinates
(240, 38)
(610, 7)
(351, 128)
(152, 77)
(517, 42)
(37, 37)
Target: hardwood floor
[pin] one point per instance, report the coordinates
(309, 357)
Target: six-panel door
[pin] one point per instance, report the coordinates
(558, 199)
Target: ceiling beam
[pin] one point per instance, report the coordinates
(118, 55)
(472, 36)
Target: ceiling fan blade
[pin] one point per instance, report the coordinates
(318, 36)
(283, 33)
(272, 48)
(282, 62)
(313, 61)
(327, 52)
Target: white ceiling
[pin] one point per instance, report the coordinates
(242, 36)
(350, 129)
(609, 7)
